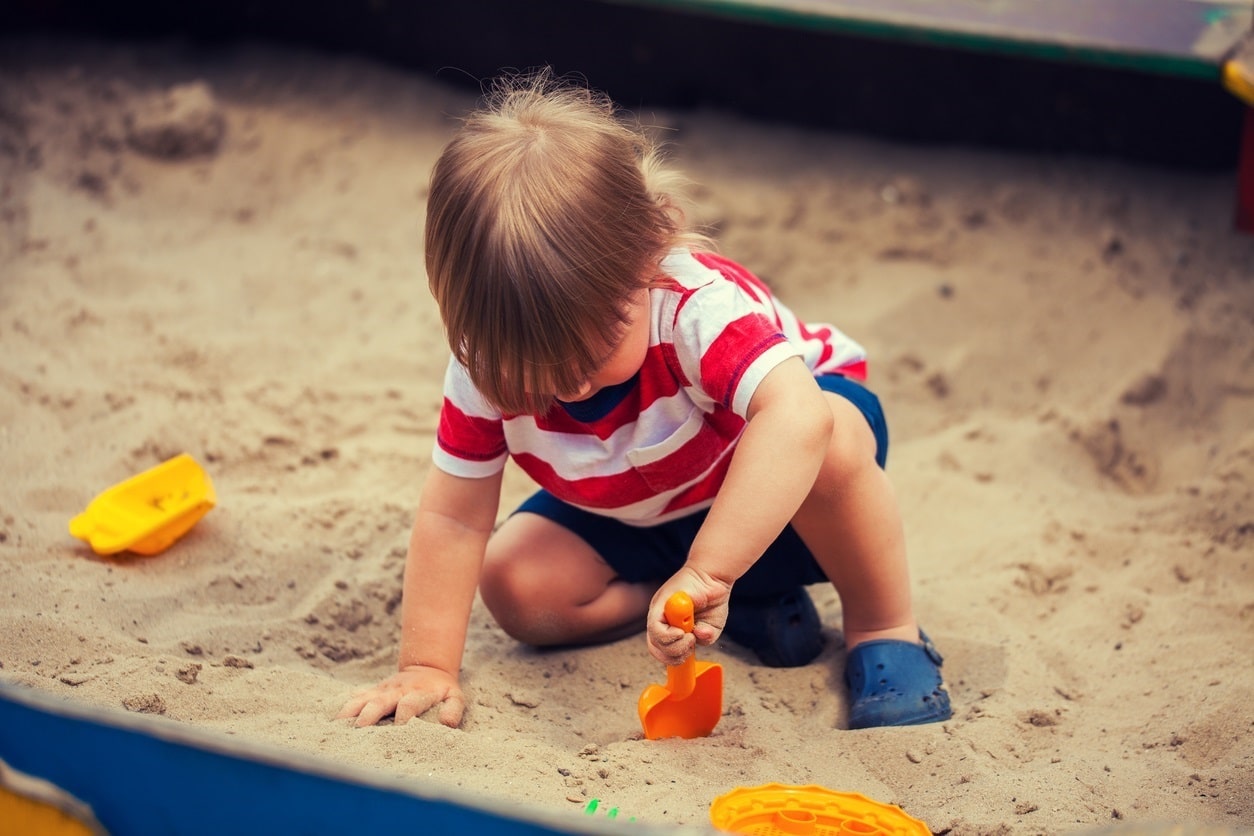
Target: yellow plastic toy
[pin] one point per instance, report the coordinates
(31, 805)
(779, 809)
(146, 513)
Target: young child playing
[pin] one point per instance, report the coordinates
(687, 430)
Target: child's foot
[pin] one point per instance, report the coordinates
(784, 630)
(895, 683)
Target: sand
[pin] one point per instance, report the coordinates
(219, 252)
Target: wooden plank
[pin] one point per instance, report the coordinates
(1175, 37)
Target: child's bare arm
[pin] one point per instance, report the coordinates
(772, 471)
(446, 548)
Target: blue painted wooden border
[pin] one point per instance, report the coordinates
(143, 775)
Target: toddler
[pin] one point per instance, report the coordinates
(687, 431)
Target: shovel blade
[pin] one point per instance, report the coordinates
(662, 714)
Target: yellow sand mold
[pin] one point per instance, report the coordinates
(146, 513)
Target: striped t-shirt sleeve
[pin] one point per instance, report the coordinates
(727, 341)
(470, 440)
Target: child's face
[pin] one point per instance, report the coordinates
(622, 359)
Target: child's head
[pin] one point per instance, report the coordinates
(545, 215)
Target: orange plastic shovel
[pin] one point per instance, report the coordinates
(691, 702)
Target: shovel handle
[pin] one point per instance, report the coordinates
(678, 611)
(681, 678)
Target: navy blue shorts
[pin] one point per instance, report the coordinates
(654, 553)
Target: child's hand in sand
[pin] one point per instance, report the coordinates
(408, 694)
(671, 645)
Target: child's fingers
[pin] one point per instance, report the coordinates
(452, 710)
(675, 652)
(415, 704)
(352, 708)
(668, 636)
(667, 644)
(706, 634)
(374, 711)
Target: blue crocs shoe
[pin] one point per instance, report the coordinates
(895, 683)
(784, 630)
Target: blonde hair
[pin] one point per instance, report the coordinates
(545, 214)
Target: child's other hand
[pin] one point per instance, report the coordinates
(408, 694)
(671, 645)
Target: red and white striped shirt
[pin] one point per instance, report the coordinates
(664, 449)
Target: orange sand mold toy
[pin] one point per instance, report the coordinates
(146, 513)
(809, 811)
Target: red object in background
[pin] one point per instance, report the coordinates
(1245, 175)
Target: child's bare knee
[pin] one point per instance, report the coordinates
(512, 596)
(529, 624)
(501, 586)
(851, 449)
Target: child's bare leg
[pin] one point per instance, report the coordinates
(851, 523)
(545, 586)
